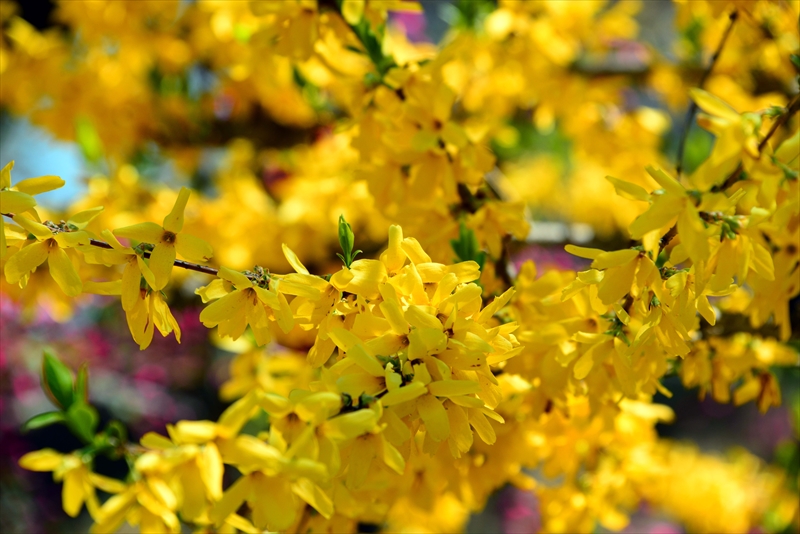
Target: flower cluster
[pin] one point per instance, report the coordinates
(419, 376)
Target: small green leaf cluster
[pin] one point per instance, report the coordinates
(466, 246)
(346, 241)
(70, 396)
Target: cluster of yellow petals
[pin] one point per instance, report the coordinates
(407, 356)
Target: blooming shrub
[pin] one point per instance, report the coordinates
(403, 385)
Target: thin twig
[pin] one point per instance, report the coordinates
(693, 106)
(189, 266)
(791, 108)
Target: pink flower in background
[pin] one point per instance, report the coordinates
(547, 258)
(413, 24)
(519, 511)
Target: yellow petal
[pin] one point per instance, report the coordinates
(111, 239)
(355, 382)
(435, 417)
(629, 190)
(692, 234)
(584, 364)
(616, 283)
(762, 262)
(713, 105)
(147, 232)
(162, 317)
(583, 252)
(15, 202)
(23, 262)
(43, 460)
(216, 289)
(40, 184)
(161, 261)
(231, 500)
(342, 278)
(419, 318)
(130, 286)
(367, 275)
(705, 309)
(152, 440)
(36, 228)
(272, 503)
(109, 485)
(348, 426)
(63, 272)
(313, 495)
(661, 213)
(212, 471)
(460, 432)
(366, 361)
(72, 494)
(239, 280)
(270, 298)
(394, 257)
(303, 285)
(103, 288)
(194, 432)
(465, 271)
(666, 181)
(357, 472)
(482, 426)
(223, 308)
(283, 315)
(414, 251)
(83, 218)
(344, 339)
(5, 175)
(71, 239)
(293, 260)
(353, 11)
(453, 388)
(173, 222)
(607, 260)
(392, 457)
(392, 312)
(113, 512)
(193, 248)
(404, 394)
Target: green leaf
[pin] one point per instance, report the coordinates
(57, 381)
(82, 419)
(88, 140)
(42, 420)
(466, 246)
(795, 61)
(346, 241)
(82, 384)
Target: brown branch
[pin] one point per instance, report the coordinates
(791, 108)
(693, 106)
(189, 266)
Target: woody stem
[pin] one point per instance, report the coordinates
(189, 266)
(693, 106)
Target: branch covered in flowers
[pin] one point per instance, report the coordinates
(419, 348)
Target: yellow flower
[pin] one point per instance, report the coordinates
(167, 240)
(79, 480)
(271, 484)
(49, 246)
(246, 304)
(149, 311)
(736, 140)
(148, 503)
(135, 267)
(197, 467)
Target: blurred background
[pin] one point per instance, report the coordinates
(207, 125)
